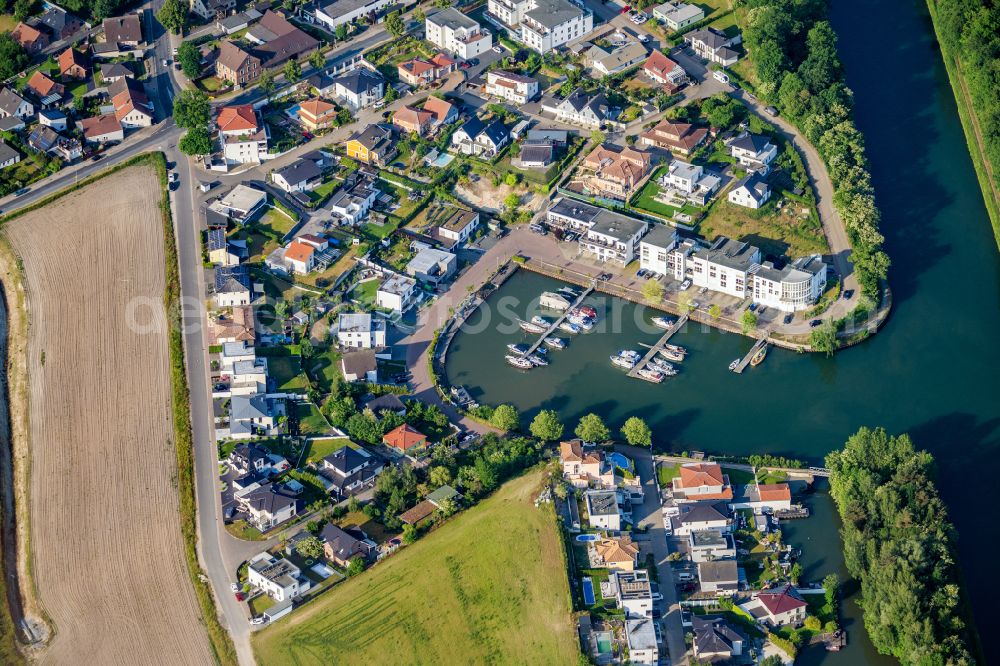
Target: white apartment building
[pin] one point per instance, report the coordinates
(278, 578)
(512, 87)
(726, 266)
(456, 33)
(360, 330)
(609, 236)
(655, 248)
(543, 25)
(795, 287)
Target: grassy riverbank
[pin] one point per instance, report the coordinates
(985, 170)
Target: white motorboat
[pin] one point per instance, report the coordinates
(530, 327)
(671, 355)
(538, 320)
(663, 322)
(623, 362)
(630, 354)
(650, 375)
(583, 322)
(537, 360)
(676, 348)
(519, 362)
(554, 301)
(735, 364)
(517, 349)
(555, 343)
(569, 327)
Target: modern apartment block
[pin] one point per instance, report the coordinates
(456, 33)
(543, 25)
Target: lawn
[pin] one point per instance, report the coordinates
(7, 22)
(286, 371)
(466, 593)
(776, 232)
(324, 368)
(646, 200)
(260, 603)
(320, 448)
(276, 222)
(311, 420)
(364, 293)
(667, 473)
(376, 531)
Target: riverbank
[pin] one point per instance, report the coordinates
(985, 171)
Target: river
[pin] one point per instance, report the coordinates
(931, 371)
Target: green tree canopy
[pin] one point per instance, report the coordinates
(196, 141)
(824, 338)
(174, 16)
(292, 71)
(546, 426)
(265, 82)
(317, 59)
(310, 547)
(505, 417)
(13, 57)
(192, 109)
(394, 24)
(591, 428)
(636, 432)
(652, 291)
(340, 32)
(189, 57)
(749, 322)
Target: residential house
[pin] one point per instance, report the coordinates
(750, 191)
(340, 547)
(72, 64)
(296, 257)
(606, 63)
(411, 120)
(111, 72)
(251, 415)
(267, 504)
(210, 9)
(373, 145)
(713, 45)
(456, 33)
(583, 467)
(432, 266)
(641, 638)
(8, 156)
(795, 287)
(345, 12)
(778, 606)
(701, 481)
(536, 154)
(480, 139)
(236, 352)
(13, 105)
(581, 108)
(387, 402)
(698, 516)
(418, 72)
(397, 293)
(241, 203)
(125, 31)
(763, 497)
(515, 88)
(543, 25)
(242, 135)
(655, 249)
(715, 640)
(359, 88)
(279, 40)
(252, 459)
(709, 545)
(236, 65)
(53, 118)
(32, 39)
(277, 577)
(236, 326)
(317, 114)
(614, 553)
(232, 286)
(348, 470)
(59, 23)
(11, 124)
(754, 151)
(608, 235)
(419, 513)
(634, 594)
(404, 438)
(664, 71)
(444, 494)
(355, 199)
(132, 106)
(675, 136)
(454, 224)
(726, 265)
(720, 577)
(616, 172)
(444, 112)
(606, 509)
(44, 88)
(361, 330)
(299, 176)
(359, 366)
(44, 139)
(678, 15)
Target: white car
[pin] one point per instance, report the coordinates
(685, 285)
(498, 49)
(720, 76)
(260, 619)
(235, 587)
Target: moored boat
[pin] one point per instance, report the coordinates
(569, 327)
(758, 358)
(555, 343)
(517, 349)
(650, 375)
(539, 320)
(535, 359)
(630, 354)
(530, 327)
(676, 348)
(735, 364)
(584, 311)
(663, 366)
(623, 361)
(671, 355)
(586, 323)
(569, 292)
(663, 322)
(553, 301)
(519, 362)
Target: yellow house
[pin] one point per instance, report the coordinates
(616, 554)
(373, 145)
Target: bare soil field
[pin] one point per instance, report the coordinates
(107, 553)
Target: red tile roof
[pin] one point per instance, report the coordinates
(100, 125)
(701, 474)
(298, 251)
(781, 600)
(404, 437)
(237, 118)
(572, 451)
(42, 84)
(659, 65)
(774, 492)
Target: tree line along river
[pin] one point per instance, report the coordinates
(931, 371)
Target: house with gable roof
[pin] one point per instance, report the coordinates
(701, 481)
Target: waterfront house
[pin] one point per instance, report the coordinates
(633, 593)
(720, 577)
(655, 248)
(696, 516)
(701, 481)
(277, 577)
(753, 151)
(583, 467)
(713, 45)
(795, 287)
(608, 509)
(360, 330)
(614, 553)
(675, 136)
(456, 33)
(759, 496)
(726, 266)
(750, 191)
(432, 265)
(607, 235)
(340, 546)
(715, 640)
(615, 172)
(404, 438)
(778, 606)
(709, 545)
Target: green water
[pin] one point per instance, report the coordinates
(931, 371)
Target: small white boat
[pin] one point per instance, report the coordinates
(555, 343)
(537, 360)
(569, 292)
(569, 327)
(650, 375)
(735, 364)
(554, 301)
(630, 354)
(662, 366)
(583, 322)
(530, 327)
(519, 362)
(584, 311)
(676, 348)
(623, 362)
(517, 349)
(671, 355)
(538, 320)
(663, 322)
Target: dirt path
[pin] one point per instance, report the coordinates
(106, 545)
(980, 142)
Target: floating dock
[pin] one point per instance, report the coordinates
(760, 344)
(634, 372)
(791, 513)
(534, 347)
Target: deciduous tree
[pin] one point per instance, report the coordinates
(505, 417)
(636, 432)
(591, 428)
(546, 426)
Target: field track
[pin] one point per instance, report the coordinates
(107, 549)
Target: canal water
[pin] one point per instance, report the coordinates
(932, 371)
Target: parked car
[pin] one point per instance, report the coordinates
(720, 76)
(848, 294)
(235, 587)
(695, 305)
(771, 111)
(498, 49)
(685, 285)
(762, 309)
(753, 307)
(240, 596)
(97, 157)
(260, 619)
(788, 318)
(815, 322)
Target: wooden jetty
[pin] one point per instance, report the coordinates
(791, 513)
(551, 329)
(659, 345)
(760, 344)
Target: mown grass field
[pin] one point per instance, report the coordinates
(489, 587)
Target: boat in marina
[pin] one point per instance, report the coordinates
(676, 348)
(517, 349)
(735, 364)
(671, 355)
(555, 343)
(662, 366)
(519, 362)
(530, 327)
(569, 292)
(537, 360)
(758, 358)
(584, 311)
(650, 375)
(586, 323)
(663, 322)
(553, 301)
(569, 327)
(630, 354)
(623, 361)
(538, 320)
